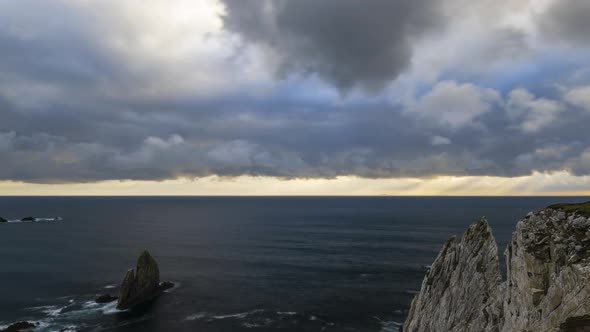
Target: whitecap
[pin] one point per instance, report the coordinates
(43, 307)
(109, 286)
(197, 316)
(54, 311)
(89, 304)
(390, 326)
(68, 328)
(286, 313)
(240, 315)
(111, 308)
(89, 309)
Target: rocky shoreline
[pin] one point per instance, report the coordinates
(547, 288)
(139, 287)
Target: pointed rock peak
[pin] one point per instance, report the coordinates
(463, 269)
(145, 260)
(478, 231)
(144, 256)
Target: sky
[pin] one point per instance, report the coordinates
(294, 97)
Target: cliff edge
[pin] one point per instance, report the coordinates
(547, 288)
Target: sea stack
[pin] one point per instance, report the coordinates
(548, 278)
(142, 284)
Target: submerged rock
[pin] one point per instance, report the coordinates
(164, 285)
(547, 287)
(105, 298)
(142, 284)
(19, 326)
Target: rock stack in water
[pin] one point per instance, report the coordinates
(548, 278)
(142, 284)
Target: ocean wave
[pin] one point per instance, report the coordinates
(197, 316)
(266, 322)
(240, 315)
(264, 318)
(389, 326)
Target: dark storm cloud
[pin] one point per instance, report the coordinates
(75, 108)
(567, 20)
(346, 42)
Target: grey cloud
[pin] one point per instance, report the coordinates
(346, 42)
(566, 20)
(533, 114)
(58, 123)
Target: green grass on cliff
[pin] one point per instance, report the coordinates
(581, 208)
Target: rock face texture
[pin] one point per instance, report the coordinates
(140, 285)
(547, 287)
(459, 292)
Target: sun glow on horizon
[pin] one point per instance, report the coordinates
(555, 184)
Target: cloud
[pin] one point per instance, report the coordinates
(580, 97)
(112, 90)
(566, 20)
(440, 140)
(533, 114)
(346, 42)
(454, 105)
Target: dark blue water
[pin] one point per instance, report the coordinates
(241, 264)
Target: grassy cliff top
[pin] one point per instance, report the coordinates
(581, 208)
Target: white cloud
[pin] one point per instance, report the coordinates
(440, 140)
(532, 114)
(452, 105)
(579, 97)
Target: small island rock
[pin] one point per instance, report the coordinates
(18, 326)
(141, 284)
(3, 220)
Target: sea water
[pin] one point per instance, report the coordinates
(239, 263)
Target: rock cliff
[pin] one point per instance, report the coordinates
(548, 278)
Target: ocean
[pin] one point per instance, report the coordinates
(239, 263)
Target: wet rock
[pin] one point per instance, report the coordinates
(3, 220)
(19, 326)
(105, 298)
(31, 219)
(141, 284)
(164, 285)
